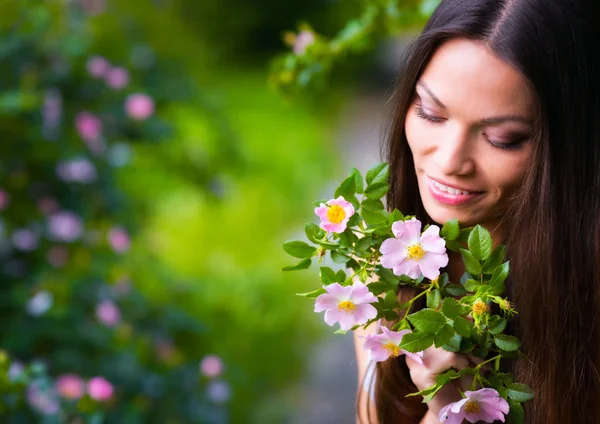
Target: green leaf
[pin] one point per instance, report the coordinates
(346, 189)
(506, 342)
(453, 344)
(516, 415)
(313, 294)
(453, 245)
(471, 285)
(380, 173)
(464, 235)
(313, 232)
(387, 275)
(303, 264)
(416, 342)
(473, 266)
(451, 230)
(433, 299)
(391, 300)
(499, 276)
(496, 324)
(463, 327)
(378, 287)
(348, 238)
(340, 275)
(377, 190)
(444, 335)
(427, 320)
(373, 217)
(480, 243)
(494, 260)
(339, 258)
(396, 215)
(328, 275)
(358, 181)
(451, 308)
(299, 249)
(354, 220)
(520, 392)
(455, 289)
(373, 204)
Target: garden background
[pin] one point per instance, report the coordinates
(155, 156)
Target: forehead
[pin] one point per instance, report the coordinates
(469, 77)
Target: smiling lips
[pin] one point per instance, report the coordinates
(450, 195)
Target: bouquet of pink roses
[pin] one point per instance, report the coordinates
(385, 250)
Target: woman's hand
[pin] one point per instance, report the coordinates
(436, 361)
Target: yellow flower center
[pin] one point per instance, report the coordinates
(472, 407)
(346, 306)
(336, 214)
(392, 348)
(415, 252)
(479, 307)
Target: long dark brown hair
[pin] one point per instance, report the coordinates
(553, 231)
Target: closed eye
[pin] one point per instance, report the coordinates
(421, 114)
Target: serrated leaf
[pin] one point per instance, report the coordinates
(340, 275)
(444, 335)
(395, 216)
(354, 220)
(453, 344)
(520, 392)
(427, 320)
(358, 181)
(471, 263)
(455, 289)
(453, 245)
(499, 276)
(451, 308)
(373, 204)
(433, 299)
(516, 415)
(378, 287)
(377, 190)
(373, 217)
(506, 342)
(471, 285)
(451, 230)
(494, 260)
(463, 327)
(464, 235)
(339, 258)
(346, 189)
(303, 264)
(314, 232)
(299, 249)
(480, 243)
(496, 324)
(313, 294)
(328, 275)
(416, 342)
(380, 173)
(391, 300)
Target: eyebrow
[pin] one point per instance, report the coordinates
(485, 121)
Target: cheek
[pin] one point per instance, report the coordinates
(505, 174)
(417, 135)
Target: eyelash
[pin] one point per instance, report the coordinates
(436, 120)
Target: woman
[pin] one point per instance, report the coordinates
(497, 122)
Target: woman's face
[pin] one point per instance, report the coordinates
(469, 128)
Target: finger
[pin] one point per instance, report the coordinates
(438, 360)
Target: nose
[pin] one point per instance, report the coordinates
(454, 155)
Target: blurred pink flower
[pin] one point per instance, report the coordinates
(25, 239)
(335, 214)
(118, 238)
(70, 386)
(481, 405)
(385, 345)
(4, 199)
(303, 40)
(97, 66)
(79, 170)
(88, 126)
(211, 366)
(47, 205)
(108, 313)
(348, 305)
(117, 78)
(139, 106)
(100, 389)
(412, 253)
(57, 256)
(65, 226)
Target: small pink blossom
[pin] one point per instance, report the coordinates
(70, 386)
(117, 78)
(302, 41)
(385, 345)
(118, 238)
(139, 106)
(348, 305)
(482, 405)
(97, 66)
(88, 126)
(65, 226)
(108, 313)
(412, 253)
(79, 170)
(25, 239)
(211, 366)
(335, 214)
(100, 389)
